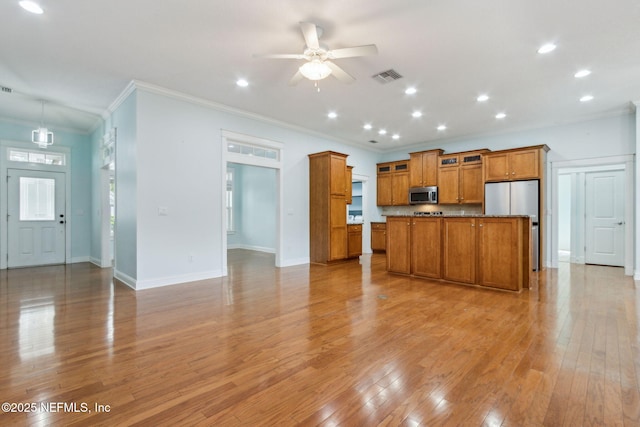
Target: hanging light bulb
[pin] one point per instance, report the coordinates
(42, 136)
(315, 70)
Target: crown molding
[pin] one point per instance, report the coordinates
(151, 88)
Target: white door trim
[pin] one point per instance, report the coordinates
(276, 164)
(586, 165)
(366, 221)
(6, 164)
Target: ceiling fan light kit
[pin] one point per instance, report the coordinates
(319, 58)
(315, 70)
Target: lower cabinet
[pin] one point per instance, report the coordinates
(485, 251)
(500, 244)
(354, 244)
(378, 236)
(399, 244)
(426, 247)
(459, 249)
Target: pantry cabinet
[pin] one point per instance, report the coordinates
(328, 188)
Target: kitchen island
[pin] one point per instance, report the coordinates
(482, 250)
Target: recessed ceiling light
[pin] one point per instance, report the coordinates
(367, 126)
(482, 98)
(416, 114)
(382, 131)
(31, 6)
(586, 98)
(501, 116)
(582, 73)
(395, 136)
(546, 48)
(242, 83)
(332, 114)
(410, 90)
(442, 127)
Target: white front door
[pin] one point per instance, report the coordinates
(37, 218)
(605, 218)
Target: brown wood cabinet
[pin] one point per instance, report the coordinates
(423, 168)
(328, 207)
(393, 183)
(349, 190)
(354, 232)
(399, 244)
(521, 164)
(459, 249)
(378, 236)
(516, 164)
(460, 178)
(485, 251)
(500, 246)
(426, 247)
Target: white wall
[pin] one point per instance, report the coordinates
(255, 198)
(125, 236)
(608, 136)
(178, 167)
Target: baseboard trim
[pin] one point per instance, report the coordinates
(175, 280)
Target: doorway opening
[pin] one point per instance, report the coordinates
(252, 195)
(592, 212)
(35, 206)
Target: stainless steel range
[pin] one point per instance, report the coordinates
(431, 213)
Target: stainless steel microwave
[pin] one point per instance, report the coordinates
(423, 195)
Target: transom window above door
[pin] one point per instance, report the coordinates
(30, 156)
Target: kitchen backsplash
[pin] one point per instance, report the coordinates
(447, 209)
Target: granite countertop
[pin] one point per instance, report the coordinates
(459, 216)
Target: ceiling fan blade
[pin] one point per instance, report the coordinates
(310, 33)
(280, 55)
(349, 52)
(296, 79)
(339, 73)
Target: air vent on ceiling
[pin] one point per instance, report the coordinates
(387, 76)
(6, 89)
(373, 141)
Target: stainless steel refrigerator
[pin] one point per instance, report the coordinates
(516, 198)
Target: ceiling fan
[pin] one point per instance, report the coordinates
(319, 58)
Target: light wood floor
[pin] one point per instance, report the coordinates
(344, 345)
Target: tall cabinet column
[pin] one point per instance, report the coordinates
(328, 191)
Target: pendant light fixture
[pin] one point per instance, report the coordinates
(42, 136)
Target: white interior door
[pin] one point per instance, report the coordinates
(36, 218)
(605, 218)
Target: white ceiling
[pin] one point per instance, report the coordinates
(80, 55)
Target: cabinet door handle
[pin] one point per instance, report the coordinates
(513, 173)
(480, 225)
(506, 174)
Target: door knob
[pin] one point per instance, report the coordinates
(61, 222)
(621, 222)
